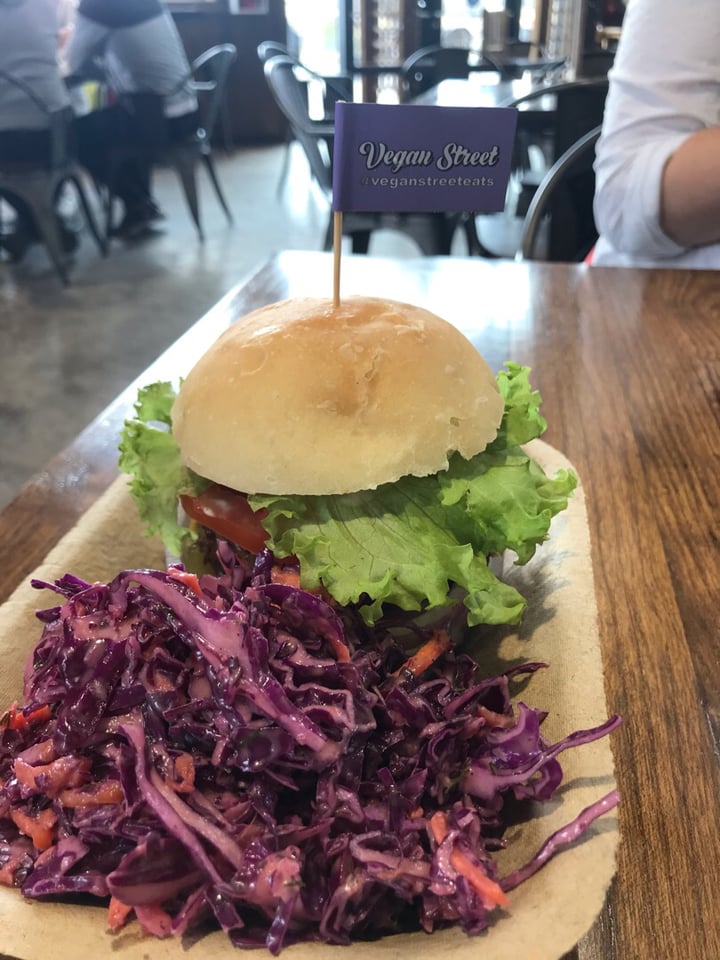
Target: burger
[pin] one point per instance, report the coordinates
(365, 446)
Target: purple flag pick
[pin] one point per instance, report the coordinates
(409, 158)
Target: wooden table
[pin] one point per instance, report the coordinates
(628, 363)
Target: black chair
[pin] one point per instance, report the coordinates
(576, 107)
(268, 49)
(35, 188)
(579, 107)
(564, 204)
(427, 66)
(331, 89)
(335, 87)
(210, 73)
(432, 232)
(209, 79)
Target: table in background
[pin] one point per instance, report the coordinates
(628, 363)
(483, 89)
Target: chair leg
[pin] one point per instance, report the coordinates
(43, 212)
(360, 241)
(185, 170)
(210, 167)
(476, 248)
(433, 235)
(329, 234)
(285, 170)
(106, 197)
(89, 215)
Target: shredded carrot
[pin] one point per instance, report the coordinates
(106, 791)
(185, 773)
(428, 653)
(40, 829)
(55, 776)
(285, 575)
(286, 572)
(17, 720)
(342, 653)
(189, 579)
(117, 913)
(291, 577)
(488, 889)
(439, 827)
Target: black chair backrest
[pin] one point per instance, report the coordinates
(579, 107)
(595, 63)
(337, 87)
(566, 194)
(290, 93)
(210, 73)
(427, 66)
(59, 124)
(272, 48)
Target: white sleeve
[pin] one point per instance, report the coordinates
(86, 41)
(664, 86)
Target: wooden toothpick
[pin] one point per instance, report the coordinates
(337, 254)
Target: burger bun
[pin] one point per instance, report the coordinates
(310, 397)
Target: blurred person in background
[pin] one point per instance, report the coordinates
(66, 17)
(29, 49)
(657, 195)
(135, 46)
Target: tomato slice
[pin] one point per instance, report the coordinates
(228, 513)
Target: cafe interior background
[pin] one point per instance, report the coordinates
(69, 349)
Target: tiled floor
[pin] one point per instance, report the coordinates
(66, 353)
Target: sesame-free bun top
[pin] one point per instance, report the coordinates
(308, 397)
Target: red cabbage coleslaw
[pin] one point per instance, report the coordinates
(230, 751)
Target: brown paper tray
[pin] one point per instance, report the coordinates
(548, 914)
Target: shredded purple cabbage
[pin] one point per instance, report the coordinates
(241, 760)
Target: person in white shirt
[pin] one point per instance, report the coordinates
(137, 46)
(657, 195)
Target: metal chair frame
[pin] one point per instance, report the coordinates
(37, 186)
(569, 162)
(184, 157)
(333, 89)
(580, 105)
(217, 60)
(433, 233)
(426, 67)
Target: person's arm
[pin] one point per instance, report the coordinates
(690, 190)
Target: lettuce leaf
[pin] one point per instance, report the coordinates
(521, 420)
(407, 543)
(390, 545)
(149, 453)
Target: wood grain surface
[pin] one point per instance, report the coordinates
(628, 364)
